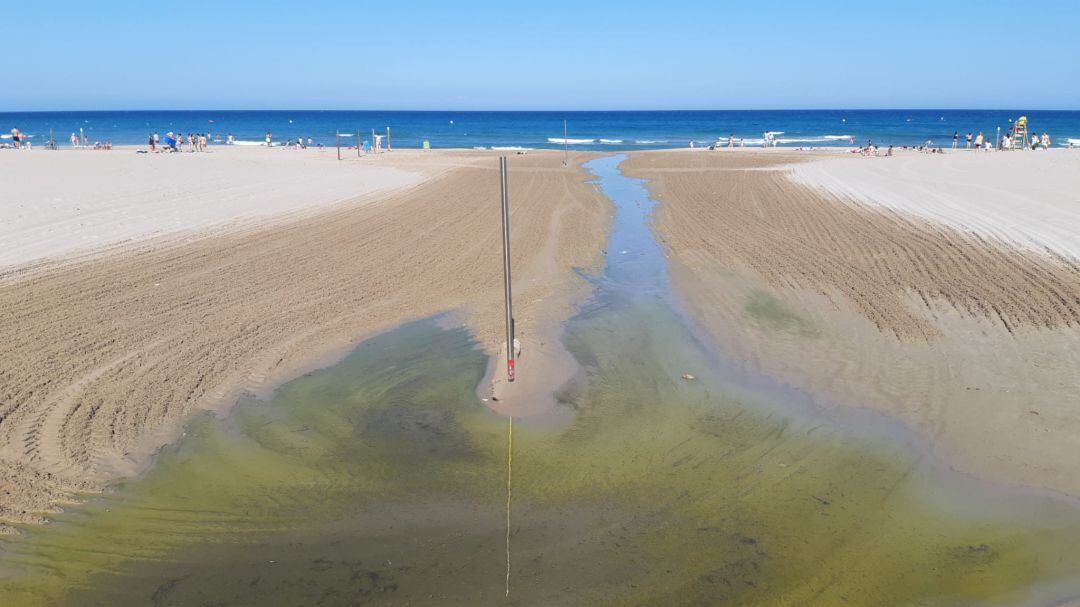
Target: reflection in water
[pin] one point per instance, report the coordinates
(380, 481)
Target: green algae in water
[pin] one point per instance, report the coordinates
(380, 481)
(775, 314)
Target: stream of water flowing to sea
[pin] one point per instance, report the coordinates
(382, 481)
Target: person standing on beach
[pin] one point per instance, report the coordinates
(731, 140)
(968, 146)
(74, 140)
(979, 141)
(16, 138)
(269, 139)
(955, 139)
(153, 144)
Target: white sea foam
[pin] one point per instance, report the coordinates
(569, 141)
(610, 141)
(515, 148)
(1074, 142)
(821, 139)
(649, 141)
(242, 142)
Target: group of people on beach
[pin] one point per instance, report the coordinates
(83, 141)
(1016, 138)
(177, 142)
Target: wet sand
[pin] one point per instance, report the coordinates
(383, 478)
(971, 340)
(111, 352)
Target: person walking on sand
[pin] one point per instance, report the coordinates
(955, 139)
(979, 141)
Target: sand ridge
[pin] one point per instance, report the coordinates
(970, 341)
(106, 356)
(796, 236)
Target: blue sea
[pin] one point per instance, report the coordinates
(624, 130)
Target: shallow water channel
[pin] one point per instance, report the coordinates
(382, 480)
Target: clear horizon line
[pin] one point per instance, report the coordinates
(554, 111)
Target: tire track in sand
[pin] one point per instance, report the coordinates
(733, 210)
(103, 358)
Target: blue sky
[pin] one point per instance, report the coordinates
(674, 54)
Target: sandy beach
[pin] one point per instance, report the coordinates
(942, 290)
(60, 204)
(277, 268)
(1030, 200)
(903, 285)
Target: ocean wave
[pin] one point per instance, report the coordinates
(1074, 142)
(650, 141)
(610, 141)
(515, 148)
(822, 139)
(242, 142)
(569, 141)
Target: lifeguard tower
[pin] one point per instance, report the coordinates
(1020, 134)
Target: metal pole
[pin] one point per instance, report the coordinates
(373, 150)
(358, 143)
(506, 271)
(999, 138)
(337, 136)
(52, 143)
(565, 145)
(388, 146)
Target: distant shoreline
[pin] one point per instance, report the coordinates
(593, 130)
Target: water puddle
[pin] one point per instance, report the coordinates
(381, 480)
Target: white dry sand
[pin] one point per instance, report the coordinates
(55, 203)
(1030, 199)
